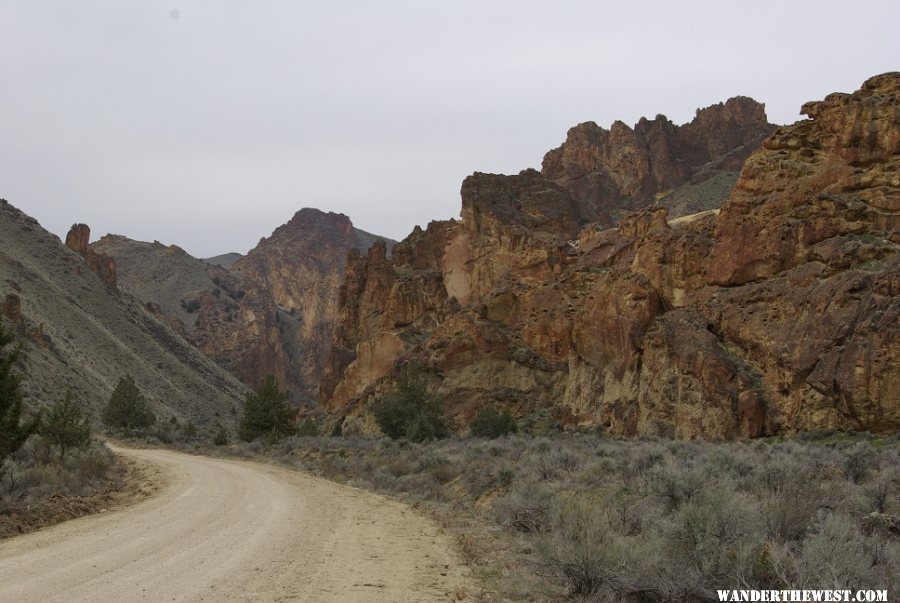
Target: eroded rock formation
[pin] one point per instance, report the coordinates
(78, 240)
(779, 314)
(623, 169)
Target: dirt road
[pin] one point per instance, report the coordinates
(223, 530)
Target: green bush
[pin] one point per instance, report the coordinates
(221, 437)
(65, 426)
(13, 433)
(127, 409)
(189, 431)
(411, 412)
(308, 429)
(490, 423)
(266, 412)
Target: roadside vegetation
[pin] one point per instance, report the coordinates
(127, 410)
(581, 516)
(594, 518)
(14, 428)
(266, 413)
(51, 468)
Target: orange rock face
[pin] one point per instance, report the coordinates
(78, 240)
(285, 318)
(779, 314)
(833, 175)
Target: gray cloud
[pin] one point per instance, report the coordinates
(208, 123)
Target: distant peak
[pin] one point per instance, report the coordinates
(312, 212)
(312, 218)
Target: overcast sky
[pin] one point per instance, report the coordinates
(207, 123)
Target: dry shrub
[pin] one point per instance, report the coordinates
(444, 473)
(401, 466)
(526, 508)
(837, 554)
(654, 520)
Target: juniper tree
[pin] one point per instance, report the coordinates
(411, 412)
(127, 409)
(266, 412)
(65, 426)
(491, 423)
(221, 436)
(13, 432)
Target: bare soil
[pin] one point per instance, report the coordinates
(229, 530)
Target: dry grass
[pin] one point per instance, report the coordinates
(600, 519)
(591, 518)
(37, 491)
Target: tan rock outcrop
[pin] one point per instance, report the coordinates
(78, 240)
(780, 314)
(833, 175)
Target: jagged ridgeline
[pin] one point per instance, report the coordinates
(275, 310)
(81, 333)
(780, 314)
(604, 291)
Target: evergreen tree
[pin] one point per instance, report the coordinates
(266, 412)
(127, 409)
(221, 437)
(13, 433)
(411, 412)
(65, 426)
(189, 430)
(490, 423)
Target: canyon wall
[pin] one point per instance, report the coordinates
(270, 312)
(778, 314)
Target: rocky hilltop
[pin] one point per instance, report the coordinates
(164, 276)
(777, 315)
(225, 260)
(81, 333)
(686, 168)
(269, 312)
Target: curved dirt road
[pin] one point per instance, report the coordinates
(223, 530)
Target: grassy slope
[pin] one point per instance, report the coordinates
(156, 273)
(82, 335)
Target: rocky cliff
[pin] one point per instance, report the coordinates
(777, 315)
(687, 168)
(269, 312)
(80, 333)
